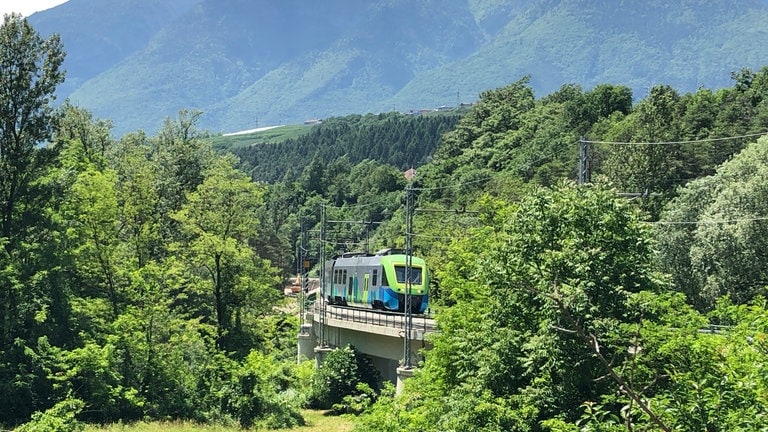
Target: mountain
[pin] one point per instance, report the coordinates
(249, 63)
(98, 35)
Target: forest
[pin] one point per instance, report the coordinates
(141, 276)
(402, 141)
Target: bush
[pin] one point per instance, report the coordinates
(339, 375)
(60, 418)
(257, 395)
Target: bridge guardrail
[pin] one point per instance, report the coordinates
(377, 318)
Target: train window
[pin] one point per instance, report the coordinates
(415, 274)
(375, 277)
(349, 287)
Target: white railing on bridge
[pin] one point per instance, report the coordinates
(375, 318)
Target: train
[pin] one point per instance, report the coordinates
(377, 281)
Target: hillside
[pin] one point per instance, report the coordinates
(254, 63)
(100, 34)
(398, 140)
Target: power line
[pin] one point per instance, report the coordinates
(710, 222)
(425, 236)
(345, 206)
(342, 241)
(675, 142)
(454, 185)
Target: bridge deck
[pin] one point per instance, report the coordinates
(371, 321)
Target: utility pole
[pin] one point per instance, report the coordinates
(323, 318)
(583, 168)
(408, 322)
(300, 256)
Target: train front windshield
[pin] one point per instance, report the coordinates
(415, 275)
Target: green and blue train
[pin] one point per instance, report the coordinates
(377, 281)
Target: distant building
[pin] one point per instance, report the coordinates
(312, 121)
(410, 174)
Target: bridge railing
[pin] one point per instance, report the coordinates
(376, 318)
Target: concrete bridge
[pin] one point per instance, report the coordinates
(380, 335)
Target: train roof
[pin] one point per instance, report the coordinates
(375, 260)
(382, 252)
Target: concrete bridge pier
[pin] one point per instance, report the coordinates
(320, 353)
(403, 373)
(307, 343)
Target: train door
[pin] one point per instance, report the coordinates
(375, 300)
(342, 283)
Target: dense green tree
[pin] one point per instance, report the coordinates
(496, 113)
(93, 135)
(311, 179)
(509, 139)
(218, 220)
(277, 232)
(182, 153)
(541, 293)
(139, 199)
(30, 71)
(651, 165)
(375, 190)
(29, 292)
(93, 235)
(584, 109)
(712, 235)
(258, 394)
(335, 180)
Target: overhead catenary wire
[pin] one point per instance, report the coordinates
(546, 157)
(711, 222)
(552, 154)
(702, 140)
(471, 182)
(431, 237)
(383, 199)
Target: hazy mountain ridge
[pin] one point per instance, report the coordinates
(247, 63)
(100, 34)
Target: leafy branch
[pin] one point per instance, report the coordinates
(593, 344)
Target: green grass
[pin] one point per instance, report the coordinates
(274, 135)
(316, 422)
(159, 426)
